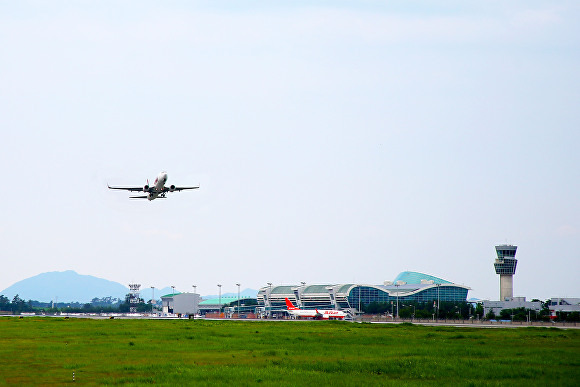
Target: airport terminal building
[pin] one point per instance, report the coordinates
(408, 286)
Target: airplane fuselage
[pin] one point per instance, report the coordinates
(318, 313)
(323, 314)
(160, 181)
(158, 185)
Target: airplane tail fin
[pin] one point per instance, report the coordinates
(289, 305)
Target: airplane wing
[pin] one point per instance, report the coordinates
(132, 189)
(168, 189)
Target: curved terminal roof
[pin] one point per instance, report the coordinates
(413, 277)
(282, 289)
(345, 288)
(314, 289)
(289, 289)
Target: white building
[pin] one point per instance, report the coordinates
(565, 304)
(181, 303)
(510, 303)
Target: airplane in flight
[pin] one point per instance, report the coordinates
(157, 190)
(316, 313)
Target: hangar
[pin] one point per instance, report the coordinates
(407, 286)
(180, 303)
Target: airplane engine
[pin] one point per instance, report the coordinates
(146, 188)
(171, 188)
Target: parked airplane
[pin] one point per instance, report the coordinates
(316, 313)
(157, 190)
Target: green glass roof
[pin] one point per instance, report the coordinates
(316, 289)
(344, 288)
(413, 277)
(282, 289)
(171, 294)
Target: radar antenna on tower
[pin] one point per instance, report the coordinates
(133, 297)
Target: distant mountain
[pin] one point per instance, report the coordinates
(66, 286)
(69, 286)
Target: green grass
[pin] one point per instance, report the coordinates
(46, 351)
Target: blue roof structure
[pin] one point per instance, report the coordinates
(413, 277)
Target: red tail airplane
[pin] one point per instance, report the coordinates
(316, 313)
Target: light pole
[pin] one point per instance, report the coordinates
(438, 299)
(238, 300)
(269, 299)
(408, 306)
(359, 288)
(152, 297)
(397, 285)
(172, 299)
(195, 303)
(220, 301)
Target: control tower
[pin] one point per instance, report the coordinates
(134, 297)
(505, 266)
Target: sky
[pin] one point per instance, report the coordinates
(334, 141)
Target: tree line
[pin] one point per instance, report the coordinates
(407, 310)
(17, 305)
(464, 311)
(97, 305)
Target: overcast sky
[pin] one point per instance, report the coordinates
(335, 142)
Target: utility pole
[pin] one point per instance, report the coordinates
(238, 300)
(220, 302)
(438, 299)
(359, 288)
(195, 300)
(397, 285)
(269, 299)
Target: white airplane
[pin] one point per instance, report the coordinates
(157, 190)
(316, 313)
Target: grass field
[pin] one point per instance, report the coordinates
(46, 351)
